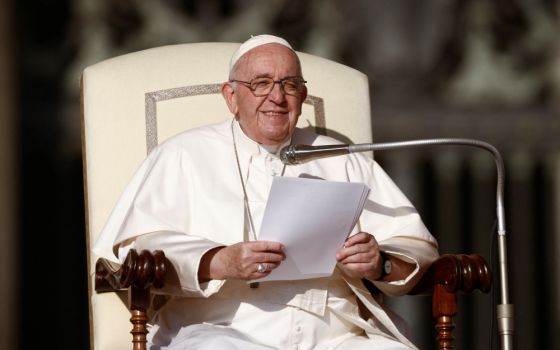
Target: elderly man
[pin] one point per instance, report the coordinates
(204, 210)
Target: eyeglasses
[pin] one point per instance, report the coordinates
(263, 86)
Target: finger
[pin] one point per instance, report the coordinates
(271, 266)
(269, 257)
(356, 249)
(360, 258)
(266, 246)
(360, 237)
(248, 251)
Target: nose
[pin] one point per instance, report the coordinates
(277, 95)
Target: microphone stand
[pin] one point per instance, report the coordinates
(295, 154)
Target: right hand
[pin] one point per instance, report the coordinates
(241, 260)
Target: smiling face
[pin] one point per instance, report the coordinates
(271, 119)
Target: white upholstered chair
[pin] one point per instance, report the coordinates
(133, 102)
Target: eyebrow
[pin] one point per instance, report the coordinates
(266, 75)
(262, 75)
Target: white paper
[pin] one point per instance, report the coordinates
(312, 218)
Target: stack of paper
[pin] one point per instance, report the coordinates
(312, 218)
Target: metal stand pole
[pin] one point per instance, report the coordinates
(504, 310)
(300, 153)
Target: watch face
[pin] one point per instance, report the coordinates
(387, 266)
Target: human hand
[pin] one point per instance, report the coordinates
(241, 260)
(360, 255)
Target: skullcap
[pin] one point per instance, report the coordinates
(255, 41)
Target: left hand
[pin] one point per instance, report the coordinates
(360, 255)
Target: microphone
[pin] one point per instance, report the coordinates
(298, 154)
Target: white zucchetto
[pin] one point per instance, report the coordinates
(253, 42)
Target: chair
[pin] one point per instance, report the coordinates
(133, 102)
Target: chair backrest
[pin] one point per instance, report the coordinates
(133, 102)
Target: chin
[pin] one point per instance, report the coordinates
(272, 138)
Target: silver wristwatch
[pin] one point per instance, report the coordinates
(386, 265)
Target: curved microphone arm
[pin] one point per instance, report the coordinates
(295, 154)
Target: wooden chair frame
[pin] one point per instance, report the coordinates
(447, 276)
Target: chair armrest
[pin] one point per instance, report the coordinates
(144, 271)
(138, 275)
(444, 278)
(456, 272)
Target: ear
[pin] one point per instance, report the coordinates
(228, 92)
(304, 94)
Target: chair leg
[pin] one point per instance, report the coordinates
(444, 307)
(139, 301)
(139, 330)
(444, 327)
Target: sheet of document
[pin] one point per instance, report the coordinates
(312, 218)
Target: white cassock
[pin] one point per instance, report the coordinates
(187, 198)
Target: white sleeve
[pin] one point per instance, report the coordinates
(421, 253)
(155, 199)
(394, 222)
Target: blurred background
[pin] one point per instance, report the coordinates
(484, 69)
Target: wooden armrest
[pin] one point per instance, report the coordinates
(444, 278)
(144, 271)
(138, 274)
(456, 272)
